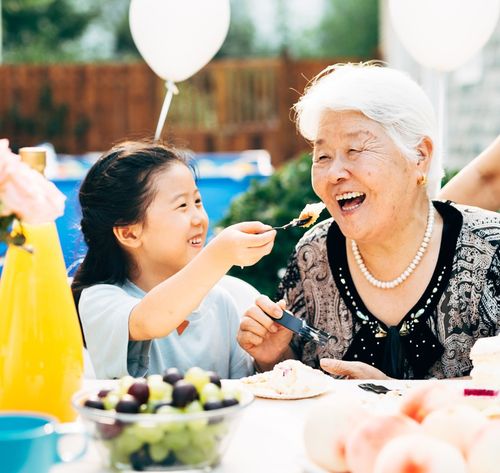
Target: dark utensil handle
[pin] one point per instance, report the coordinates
(289, 321)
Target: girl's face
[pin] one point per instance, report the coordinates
(175, 227)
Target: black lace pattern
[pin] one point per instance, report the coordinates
(460, 304)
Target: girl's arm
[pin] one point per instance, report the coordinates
(478, 183)
(168, 304)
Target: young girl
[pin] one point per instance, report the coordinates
(147, 291)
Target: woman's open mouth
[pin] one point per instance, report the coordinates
(349, 201)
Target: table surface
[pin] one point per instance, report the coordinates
(269, 437)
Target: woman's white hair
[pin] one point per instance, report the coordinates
(385, 95)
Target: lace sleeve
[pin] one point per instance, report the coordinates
(489, 307)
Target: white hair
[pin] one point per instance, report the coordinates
(385, 95)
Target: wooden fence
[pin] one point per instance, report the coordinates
(231, 105)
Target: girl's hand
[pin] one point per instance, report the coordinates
(261, 337)
(351, 369)
(243, 244)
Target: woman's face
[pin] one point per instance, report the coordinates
(361, 176)
(175, 227)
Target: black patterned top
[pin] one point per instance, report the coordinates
(460, 304)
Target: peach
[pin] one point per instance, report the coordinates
(419, 453)
(457, 424)
(368, 438)
(483, 455)
(426, 398)
(327, 426)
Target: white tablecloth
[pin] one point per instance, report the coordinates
(268, 438)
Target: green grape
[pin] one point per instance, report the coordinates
(197, 377)
(147, 432)
(219, 429)
(177, 440)
(205, 440)
(124, 384)
(111, 400)
(197, 424)
(231, 393)
(128, 442)
(194, 455)
(159, 451)
(117, 455)
(158, 389)
(171, 426)
(210, 392)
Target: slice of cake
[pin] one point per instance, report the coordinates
(485, 356)
(310, 213)
(288, 378)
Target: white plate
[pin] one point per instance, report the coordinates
(266, 393)
(309, 383)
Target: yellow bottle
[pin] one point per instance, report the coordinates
(41, 349)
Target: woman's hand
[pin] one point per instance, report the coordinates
(351, 369)
(243, 244)
(261, 337)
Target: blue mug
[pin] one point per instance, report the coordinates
(29, 442)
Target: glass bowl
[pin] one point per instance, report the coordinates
(163, 441)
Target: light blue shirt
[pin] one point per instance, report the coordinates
(209, 341)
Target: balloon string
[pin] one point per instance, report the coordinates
(171, 90)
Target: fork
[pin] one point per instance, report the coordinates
(294, 223)
(374, 388)
(303, 329)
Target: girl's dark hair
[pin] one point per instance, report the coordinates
(117, 191)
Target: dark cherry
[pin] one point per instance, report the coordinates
(94, 402)
(141, 459)
(103, 393)
(128, 405)
(230, 401)
(183, 394)
(212, 405)
(172, 375)
(169, 460)
(214, 378)
(140, 390)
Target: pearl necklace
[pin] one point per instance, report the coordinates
(411, 267)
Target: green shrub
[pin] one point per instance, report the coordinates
(275, 202)
(448, 174)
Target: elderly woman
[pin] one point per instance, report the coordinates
(404, 284)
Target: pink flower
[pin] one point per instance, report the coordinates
(24, 192)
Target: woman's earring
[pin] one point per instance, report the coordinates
(422, 180)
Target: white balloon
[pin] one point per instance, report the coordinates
(178, 37)
(444, 34)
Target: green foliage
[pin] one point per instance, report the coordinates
(448, 174)
(275, 202)
(241, 37)
(42, 30)
(125, 47)
(349, 28)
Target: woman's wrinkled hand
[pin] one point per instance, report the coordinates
(260, 336)
(351, 369)
(243, 244)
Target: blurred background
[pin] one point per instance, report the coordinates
(71, 77)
